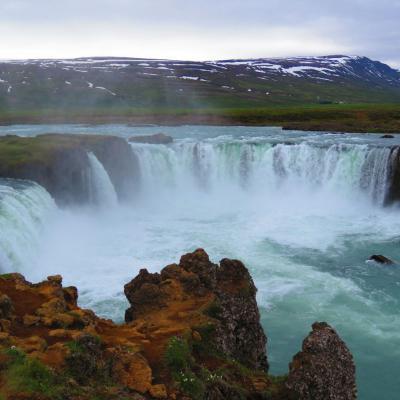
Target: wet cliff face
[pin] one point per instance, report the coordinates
(60, 164)
(64, 173)
(393, 189)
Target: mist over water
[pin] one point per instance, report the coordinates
(303, 212)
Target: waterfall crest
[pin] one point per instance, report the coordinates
(259, 165)
(24, 207)
(101, 190)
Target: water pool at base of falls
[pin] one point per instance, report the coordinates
(302, 211)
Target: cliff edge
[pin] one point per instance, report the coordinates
(60, 163)
(192, 331)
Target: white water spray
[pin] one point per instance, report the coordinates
(259, 166)
(24, 207)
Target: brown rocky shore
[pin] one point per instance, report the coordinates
(192, 332)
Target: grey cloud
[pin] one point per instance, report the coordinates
(367, 27)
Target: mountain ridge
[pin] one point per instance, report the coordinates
(93, 82)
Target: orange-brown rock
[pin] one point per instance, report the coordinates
(158, 391)
(133, 371)
(176, 301)
(210, 307)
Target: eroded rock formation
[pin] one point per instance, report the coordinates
(324, 369)
(192, 332)
(227, 291)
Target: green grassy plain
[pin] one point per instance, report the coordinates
(381, 118)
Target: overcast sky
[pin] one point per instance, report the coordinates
(199, 30)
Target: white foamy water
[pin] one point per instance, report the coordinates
(102, 191)
(303, 213)
(24, 207)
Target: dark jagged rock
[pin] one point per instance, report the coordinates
(380, 259)
(60, 164)
(324, 369)
(239, 315)
(221, 391)
(387, 137)
(158, 138)
(228, 287)
(6, 307)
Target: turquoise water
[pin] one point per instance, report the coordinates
(303, 211)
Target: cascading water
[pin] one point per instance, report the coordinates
(303, 211)
(24, 207)
(265, 167)
(102, 191)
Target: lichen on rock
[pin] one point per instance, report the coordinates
(324, 369)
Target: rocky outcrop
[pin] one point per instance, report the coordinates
(158, 138)
(387, 137)
(380, 259)
(60, 164)
(227, 290)
(324, 369)
(192, 332)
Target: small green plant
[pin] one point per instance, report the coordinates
(178, 355)
(179, 360)
(6, 276)
(190, 384)
(25, 374)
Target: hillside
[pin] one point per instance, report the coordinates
(93, 83)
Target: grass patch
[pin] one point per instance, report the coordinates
(178, 354)
(25, 374)
(179, 360)
(362, 117)
(6, 276)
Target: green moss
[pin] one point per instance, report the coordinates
(6, 276)
(190, 384)
(25, 374)
(15, 152)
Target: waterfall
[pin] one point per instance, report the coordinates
(23, 209)
(259, 165)
(102, 191)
